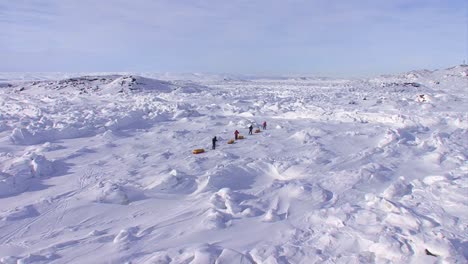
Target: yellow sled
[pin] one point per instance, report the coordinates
(231, 141)
(198, 151)
(257, 131)
(240, 137)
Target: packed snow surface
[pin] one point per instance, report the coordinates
(99, 169)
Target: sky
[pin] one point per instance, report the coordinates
(322, 37)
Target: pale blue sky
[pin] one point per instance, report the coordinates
(323, 37)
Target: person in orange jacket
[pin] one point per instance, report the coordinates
(236, 134)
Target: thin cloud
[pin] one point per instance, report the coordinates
(335, 37)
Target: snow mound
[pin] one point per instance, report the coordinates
(373, 176)
(398, 189)
(231, 176)
(214, 219)
(19, 213)
(78, 119)
(126, 235)
(173, 182)
(200, 254)
(18, 173)
(29, 259)
(183, 113)
(40, 134)
(307, 136)
(115, 193)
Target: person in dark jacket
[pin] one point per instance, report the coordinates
(250, 129)
(264, 125)
(236, 134)
(214, 140)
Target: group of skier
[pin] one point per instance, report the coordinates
(236, 134)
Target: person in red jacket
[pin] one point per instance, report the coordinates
(264, 125)
(236, 134)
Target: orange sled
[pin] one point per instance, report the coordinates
(198, 151)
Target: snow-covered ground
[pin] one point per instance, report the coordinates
(99, 169)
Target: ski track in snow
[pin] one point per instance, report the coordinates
(99, 169)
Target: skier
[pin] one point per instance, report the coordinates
(236, 134)
(250, 129)
(264, 125)
(214, 142)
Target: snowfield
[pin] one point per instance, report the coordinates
(99, 169)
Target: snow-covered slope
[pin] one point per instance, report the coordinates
(99, 169)
(97, 85)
